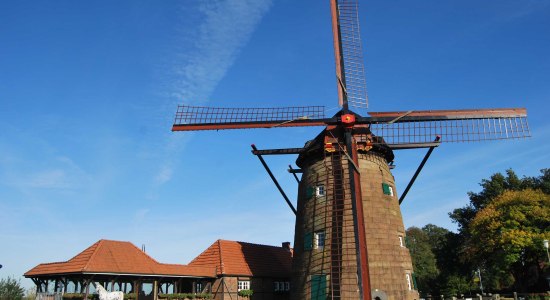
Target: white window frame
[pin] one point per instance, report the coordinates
(316, 240)
(320, 190)
(287, 286)
(276, 286)
(391, 189)
(198, 287)
(401, 241)
(243, 285)
(409, 284)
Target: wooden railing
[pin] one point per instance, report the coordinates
(49, 296)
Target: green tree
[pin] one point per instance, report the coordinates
(495, 276)
(10, 289)
(493, 187)
(455, 285)
(423, 258)
(436, 261)
(507, 234)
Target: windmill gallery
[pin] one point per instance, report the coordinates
(349, 233)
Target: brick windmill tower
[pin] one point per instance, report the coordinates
(349, 236)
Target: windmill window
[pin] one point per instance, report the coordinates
(320, 191)
(387, 189)
(319, 240)
(243, 285)
(401, 243)
(409, 285)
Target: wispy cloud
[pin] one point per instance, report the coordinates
(164, 174)
(227, 27)
(61, 174)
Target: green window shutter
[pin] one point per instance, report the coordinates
(386, 188)
(414, 281)
(310, 191)
(308, 241)
(318, 287)
(407, 242)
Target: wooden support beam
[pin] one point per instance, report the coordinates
(87, 289)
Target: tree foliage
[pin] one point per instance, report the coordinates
(500, 232)
(10, 289)
(423, 258)
(437, 266)
(496, 273)
(508, 233)
(492, 188)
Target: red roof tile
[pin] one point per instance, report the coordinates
(239, 258)
(117, 257)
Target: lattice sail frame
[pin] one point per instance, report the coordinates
(349, 53)
(471, 125)
(395, 127)
(187, 114)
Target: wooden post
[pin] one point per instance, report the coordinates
(155, 290)
(136, 289)
(87, 289)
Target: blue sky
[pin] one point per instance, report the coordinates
(88, 93)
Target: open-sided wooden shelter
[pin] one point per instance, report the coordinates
(222, 270)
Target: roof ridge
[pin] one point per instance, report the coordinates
(222, 267)
(254, 244)
(112, 255)
(99, 244)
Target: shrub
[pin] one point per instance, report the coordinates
(73, 296)
(246, 293)
(11, 289)
(184, 296)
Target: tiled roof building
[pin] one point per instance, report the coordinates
(239, 258)
(115, 257)
(263, 269)
(223, 269)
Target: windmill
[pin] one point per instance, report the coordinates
(349, 236)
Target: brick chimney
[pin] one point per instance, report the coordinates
(286, 246)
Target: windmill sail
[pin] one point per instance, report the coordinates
(216, 118)
(451, 125)
(348, 51)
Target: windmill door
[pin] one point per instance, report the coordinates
(318, 287)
